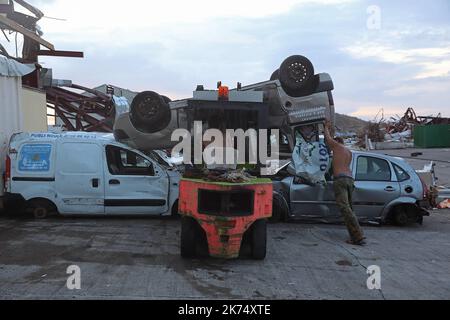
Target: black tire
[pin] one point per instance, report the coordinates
(275, 75)
(295, 72)
(166, 99)
(149, 112)
(189, 238)
(259, 240)
(400, 216)
(277, 211)
(175, 209)
(41, 208)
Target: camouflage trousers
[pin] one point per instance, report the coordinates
(343, 189)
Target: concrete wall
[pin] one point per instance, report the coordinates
(34, 108)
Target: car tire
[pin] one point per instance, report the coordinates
(189, 238)
(149, 112)
(278, 212)
(275, 75)
(400, 216)
(295, 72)
(259, 240)
(41, 208)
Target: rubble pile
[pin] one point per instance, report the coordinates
(395, 129)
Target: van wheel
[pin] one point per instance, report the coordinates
(259, 240)
(189, 238)
(174, 212)
(41, 209)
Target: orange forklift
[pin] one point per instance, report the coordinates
(220, 218)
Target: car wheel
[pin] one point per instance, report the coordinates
(259, 240)
(400, 216)
(295, 72)
(41, 208)
(149, 112)
(189, 238)
(275, 75)
(277, 211)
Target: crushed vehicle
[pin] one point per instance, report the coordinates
(295, 96)
(78, 173)
(387, 189)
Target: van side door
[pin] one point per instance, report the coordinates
(134, 184)
(79, 178)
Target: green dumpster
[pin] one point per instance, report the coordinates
(432, 136)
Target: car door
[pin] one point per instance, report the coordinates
(134, 184)
(375, 186)
(79, 178)
(312, 201)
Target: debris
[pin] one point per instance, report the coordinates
(396, 131)
(92, 111)
(444, 204)
(416, 154)
(235, 176)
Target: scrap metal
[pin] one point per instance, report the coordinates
(92, 111)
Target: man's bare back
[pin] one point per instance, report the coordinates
(342, 157)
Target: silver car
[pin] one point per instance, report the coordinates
(387, 189)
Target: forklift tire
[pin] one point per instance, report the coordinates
(259, 240)
(295, 72)
(150, 112)
(189, 238)
(275, 75)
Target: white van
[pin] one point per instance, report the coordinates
(77, 173)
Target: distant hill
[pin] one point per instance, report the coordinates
(346, 123)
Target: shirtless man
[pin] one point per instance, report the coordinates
(344, 185)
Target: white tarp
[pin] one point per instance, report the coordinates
(12, 68)
(310, 161)
(11, 117)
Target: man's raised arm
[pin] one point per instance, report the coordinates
(328, 137)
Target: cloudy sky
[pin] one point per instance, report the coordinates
(393, 56)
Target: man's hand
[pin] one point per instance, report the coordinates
(328, 132)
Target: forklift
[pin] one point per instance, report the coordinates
(225, 219)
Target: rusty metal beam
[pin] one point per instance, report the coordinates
(79, 112)
(59, 53)
(27, 33)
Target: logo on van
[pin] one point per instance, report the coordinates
(35, 158)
